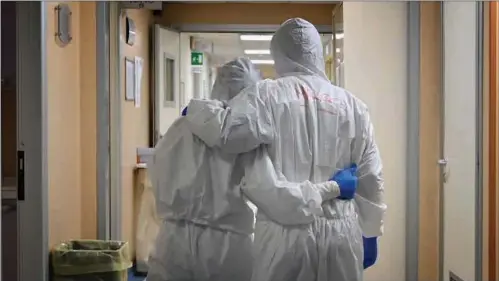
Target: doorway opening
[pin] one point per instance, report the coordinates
(9, 236)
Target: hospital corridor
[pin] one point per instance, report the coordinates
(249, 140)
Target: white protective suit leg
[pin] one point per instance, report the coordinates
(340, 246)
(329, 249)
(186, 252)
(283, 253)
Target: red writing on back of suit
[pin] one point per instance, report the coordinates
(318, 97)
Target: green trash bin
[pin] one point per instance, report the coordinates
(89, 260)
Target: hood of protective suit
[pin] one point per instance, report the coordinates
(297, 49)
(233, 77)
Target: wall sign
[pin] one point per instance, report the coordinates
(130, 79)
(197, 60)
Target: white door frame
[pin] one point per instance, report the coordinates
(103, 120)
(413, 145)
(1, 176)
(115, 68)
(238, 28)
(109, 195)
(109, 99)
(109, 198)
(480, 19)
(32, 139)
(158, 99)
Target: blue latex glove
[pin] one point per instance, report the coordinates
(184, 112)
(347, 182)
(370, 251)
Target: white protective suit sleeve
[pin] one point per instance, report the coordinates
(239, 126)
(369, 196)
(284, 202)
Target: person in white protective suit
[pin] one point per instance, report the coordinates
(207, 224)
(311, 129)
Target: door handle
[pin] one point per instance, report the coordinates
(442, 162)
(20, 175)
(444, 169)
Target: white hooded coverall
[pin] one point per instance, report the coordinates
(207, 224)
(311, 130)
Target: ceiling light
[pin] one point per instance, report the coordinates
(257, 52)
(256, 37)
(338, 50)
(340, 35)
(262, 61)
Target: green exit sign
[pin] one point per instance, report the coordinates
(197, 58)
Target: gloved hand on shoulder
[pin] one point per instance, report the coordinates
(370, 251)
(347, 182)
(184, 112)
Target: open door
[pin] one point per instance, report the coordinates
(166, 99)
(462, 141)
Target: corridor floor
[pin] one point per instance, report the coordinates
(132, 277)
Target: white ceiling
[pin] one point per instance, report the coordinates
(227, 46)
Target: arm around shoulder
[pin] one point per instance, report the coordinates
(239, 126)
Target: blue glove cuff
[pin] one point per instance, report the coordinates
(370, 251)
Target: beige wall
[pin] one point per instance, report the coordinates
(244, 13)
(71, 126)
(376, 71)
(135, 121)
(88, 121)
(429, 141)
(63, 80)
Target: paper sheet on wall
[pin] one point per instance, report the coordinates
(138, 79)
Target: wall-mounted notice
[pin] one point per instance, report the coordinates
(139, 63)
(129, 79)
